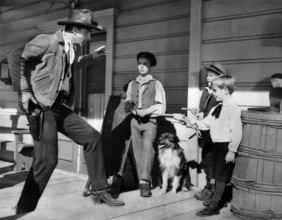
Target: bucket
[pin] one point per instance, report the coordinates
(257, 176)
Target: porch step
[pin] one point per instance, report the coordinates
(7, 150)
(25, 155)
(4, 164)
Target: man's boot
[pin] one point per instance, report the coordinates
(104, 196)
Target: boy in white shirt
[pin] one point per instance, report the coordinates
(224, 122)
(145, 99)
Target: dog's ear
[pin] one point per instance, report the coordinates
(176, 139)
(173, 138)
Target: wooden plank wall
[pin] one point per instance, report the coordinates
(246, 37)
(161, 27)
(18, 21)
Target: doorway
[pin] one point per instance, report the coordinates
(93, 90)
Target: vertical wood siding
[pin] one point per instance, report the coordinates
(246, 37)
(161, 27)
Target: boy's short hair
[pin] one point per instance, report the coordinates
(224, 81)
(149, 56)
(276, 80)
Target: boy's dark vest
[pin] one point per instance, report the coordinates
(148, 96)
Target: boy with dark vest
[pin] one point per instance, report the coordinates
(207, 102)
(145, 97)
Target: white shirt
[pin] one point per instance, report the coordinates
(157, 109)
(227, 127)
(69, 48)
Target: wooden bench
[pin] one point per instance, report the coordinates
(16, 144)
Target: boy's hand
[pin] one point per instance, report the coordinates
(195, 111)
(200, 116)
(183, 120)
(178, 117)
(230, 157)
(143, 112)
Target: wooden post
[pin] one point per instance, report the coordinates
(195, 48)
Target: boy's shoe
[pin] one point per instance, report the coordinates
(20, 211)
(208, 202)
(207, 211)
(211, 209)
(145, 190)
(206, 193)
(226, 197)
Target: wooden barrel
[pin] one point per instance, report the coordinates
(257, 176)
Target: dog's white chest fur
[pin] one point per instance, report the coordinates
(169, 160)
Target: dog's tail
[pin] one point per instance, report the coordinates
(194, 165)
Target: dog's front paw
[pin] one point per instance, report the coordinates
(172, 192)
(185, 189)
(162, 192)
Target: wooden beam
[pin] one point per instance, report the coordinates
(195, 48)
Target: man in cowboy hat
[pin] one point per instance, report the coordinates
(46, 96)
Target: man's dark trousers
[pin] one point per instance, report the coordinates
(62, 119)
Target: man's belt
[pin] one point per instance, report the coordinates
(61, 98)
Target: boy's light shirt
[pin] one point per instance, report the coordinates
(226, 128)
(69, 48)
(157, 109)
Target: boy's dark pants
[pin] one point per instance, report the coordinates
(223, 171)
(62, 119)
(208, 160)
(207, 157)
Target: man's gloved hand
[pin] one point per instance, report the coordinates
(101, 51)
(25, 98)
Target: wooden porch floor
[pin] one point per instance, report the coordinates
(63, 199)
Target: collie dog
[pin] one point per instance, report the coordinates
(173, 165)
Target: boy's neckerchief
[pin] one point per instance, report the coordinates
(217, 110)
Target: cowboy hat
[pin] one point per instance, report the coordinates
(82, 18)
(216, 68)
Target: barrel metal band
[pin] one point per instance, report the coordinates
(269, 123)
(259, 154)
(255, 214)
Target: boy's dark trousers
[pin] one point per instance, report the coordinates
(207, 161)
(62, 119)
(223, 171)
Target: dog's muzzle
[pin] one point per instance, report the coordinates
(162, 146)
